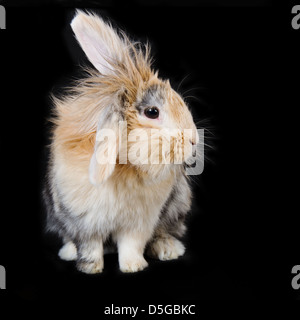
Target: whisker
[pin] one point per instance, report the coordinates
(181, 82)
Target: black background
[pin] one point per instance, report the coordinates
(241, 67)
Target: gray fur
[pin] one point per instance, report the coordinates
(66, 226)
(175, 209)
(153, 97)
(87, 218)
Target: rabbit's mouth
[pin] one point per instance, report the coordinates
(159, 146)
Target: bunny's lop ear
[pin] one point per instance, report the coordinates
(99, 41)
(103, 161)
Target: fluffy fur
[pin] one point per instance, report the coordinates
(139, 206)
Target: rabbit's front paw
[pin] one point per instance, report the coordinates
(133, 264)
(90, 267)
(166, 248)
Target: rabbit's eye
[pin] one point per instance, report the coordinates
(151, 112)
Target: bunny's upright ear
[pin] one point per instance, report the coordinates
(99, 41)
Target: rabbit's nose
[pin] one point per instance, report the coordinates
(193, 141)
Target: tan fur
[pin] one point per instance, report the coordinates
(128, 202)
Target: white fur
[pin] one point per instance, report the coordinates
(102, 200)
(68, 252)
(109, 207)
(98, 40)
(167, 248)
(101, 166)
(132, 263)
(131, 247)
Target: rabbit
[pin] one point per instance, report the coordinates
(140, 207)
